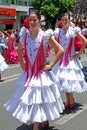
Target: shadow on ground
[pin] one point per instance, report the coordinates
(30, 127)
(77, 107)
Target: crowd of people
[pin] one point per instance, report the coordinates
(38, 96)
(8, 52)
(8, 40)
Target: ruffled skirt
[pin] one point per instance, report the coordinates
(71, 77)
(3, 64)
(11, 56)
(37, 102)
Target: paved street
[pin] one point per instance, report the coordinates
(75, 119)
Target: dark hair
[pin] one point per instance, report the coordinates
(36, 13)
(9, 31)
(64, 14)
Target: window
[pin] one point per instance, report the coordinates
(16, 2)
(6, 1)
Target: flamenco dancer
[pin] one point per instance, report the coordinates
(11, 55)
(36, 101)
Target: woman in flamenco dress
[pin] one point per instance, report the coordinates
(37, 98)
(11, 55)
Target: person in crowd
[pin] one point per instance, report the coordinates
(68, 69)
(16, 33)
(5, 42)
(6, 38)
(84, 32)
(11, 55)
(2, 44)
(1, 37)
(1, 40)
(37, 98)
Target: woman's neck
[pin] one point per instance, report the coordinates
(65, 29)
(34, 34)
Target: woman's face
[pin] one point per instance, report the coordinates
(34, 22)
(65, 21)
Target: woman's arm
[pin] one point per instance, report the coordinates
(22, 36)
(59, 53)
(84, 40)
(20, 51)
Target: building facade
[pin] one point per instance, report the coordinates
(12, 13)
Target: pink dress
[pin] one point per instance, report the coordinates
(78, 43)
(11, 54)
(48, 53)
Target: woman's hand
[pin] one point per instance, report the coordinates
(75, 57)
(47, 67)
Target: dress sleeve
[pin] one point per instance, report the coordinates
(84, 31)
(22, 35)
(56, 33)
(74, 31)
(47, 35)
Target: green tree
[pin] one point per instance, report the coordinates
(52, 9)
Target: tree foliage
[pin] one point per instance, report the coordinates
(52, 9)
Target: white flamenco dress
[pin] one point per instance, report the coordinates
(3, 64)
(37, 99)
(68, 71)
